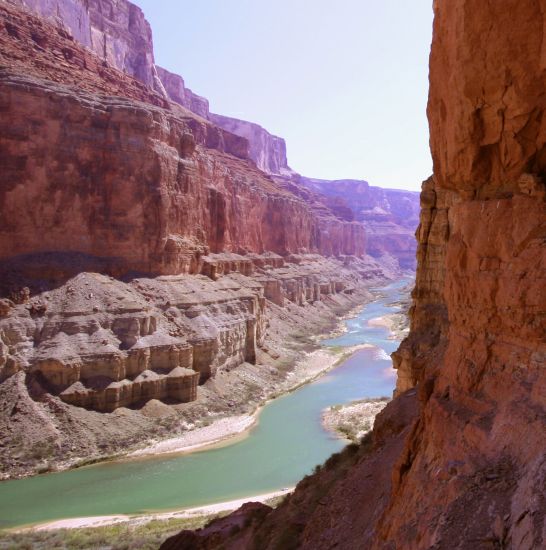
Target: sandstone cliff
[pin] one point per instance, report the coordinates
(177, 91)
(390, 216)
(118, 33)
(191, 192)
(458, 459)
(115, 30)
(266, 150)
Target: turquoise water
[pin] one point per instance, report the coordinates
(287, 444)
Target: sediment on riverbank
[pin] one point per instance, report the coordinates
(66, 436)
(143, 532)
(353, 420)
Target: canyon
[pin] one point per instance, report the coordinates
(458, 459)
(160, 264)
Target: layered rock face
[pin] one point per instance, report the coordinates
(97, 366)
(119, 35)
(101, 344)
(266, 150)
(115, 30)
(159, 212)
(467, 468)
(390, 216)
(150, 268)
(177, 91)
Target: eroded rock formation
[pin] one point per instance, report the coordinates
(266, 150)
(390, 216)
(458, 459)
(115, 30)
(154, 213)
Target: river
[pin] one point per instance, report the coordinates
(286, 444)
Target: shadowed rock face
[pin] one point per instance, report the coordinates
(469, 469)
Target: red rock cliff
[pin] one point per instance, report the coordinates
(390, 216)
(467, 469)
(143, 187)
(115, 30)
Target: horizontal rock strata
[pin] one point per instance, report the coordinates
(101, 344)
(390, 216)
(158, 264)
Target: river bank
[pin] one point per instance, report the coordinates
(225, 406)
(198, 512)
(284, 446)
(353, 420)
(143, 532)
(225, 430)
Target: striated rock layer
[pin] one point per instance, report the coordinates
(458, 459)
(266, 150)
(154, 276)
(119, 35)
(102, 344)
(132, 187)
(390, 216)
(99, 366)
(115, 30)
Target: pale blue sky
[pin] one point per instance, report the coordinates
(344, 82)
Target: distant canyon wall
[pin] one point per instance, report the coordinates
(143, 187)
(119, 34)
(390, 216)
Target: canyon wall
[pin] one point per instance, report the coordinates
(118, 33)
(148, 268)
(266, 150)
(150, 274)
(133, 187)
(458, 459)
(115, 30)
(390, 216)
(177, 91)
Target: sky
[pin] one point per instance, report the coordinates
(345, 82)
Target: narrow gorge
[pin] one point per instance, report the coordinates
(165, 273)
(458, 459)
(161, 265)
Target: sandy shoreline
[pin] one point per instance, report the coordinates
(220, 430)
(395, 323)
(384, 321)
(101, 521)
(224, 430)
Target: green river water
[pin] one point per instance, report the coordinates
(287, 443)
